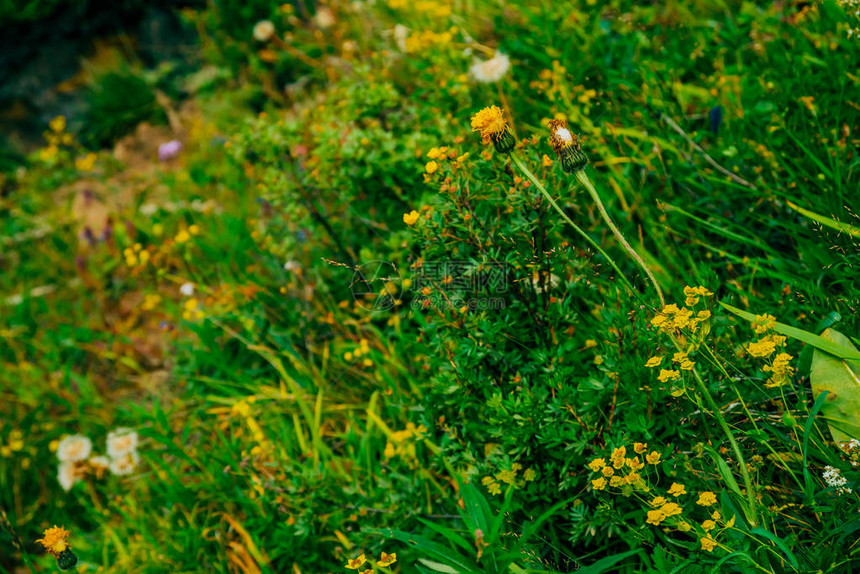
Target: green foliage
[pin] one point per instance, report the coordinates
(394, 341)
(117, 101)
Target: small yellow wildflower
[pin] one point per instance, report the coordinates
(716, 515)
(182, 237)
(781, 370)
(654, 362)
(634, 463)
(607, 471)
(677, 490)
(763, 323)
(619, 453)
(58, 124)
(640, 447)
(632, 478)
(434, 153)
(670, 509)
(653, 457)
(387, 559)
(55, 539)
(668, 375)
(508, 476)
(616, 481)
(410, 218)
(598, 483)
(86, 163)
(546, 161)
(708, 525)
(596, 464)
(685, 364)
(431, 167)
(658, 501)
(655, 517)
(708, 543)
(529, 475)
(703, 315)
(707, 498)
(355, 564)
(494, 488)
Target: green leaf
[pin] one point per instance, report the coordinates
(437, 567)
(840, 377)
(779, 542)
(606, 563)
(823, 220)
(839, 350)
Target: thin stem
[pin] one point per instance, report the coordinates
(531, 177)
(586, 183)
(703, 389)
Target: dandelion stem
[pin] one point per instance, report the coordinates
(582, 177)
(531, 177)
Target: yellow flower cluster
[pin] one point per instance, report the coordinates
(135, 255)
(56, 136)
(363, 348)
(421, 41)
(494, 486)
(618, 461)
(780, 369)
(765, 346)
(191, 310)
(402, 443)
(673, 318)
(384, 561)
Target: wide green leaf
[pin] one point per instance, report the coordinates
(840, 377)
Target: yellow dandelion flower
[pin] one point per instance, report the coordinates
(55, 539)
(491, 124)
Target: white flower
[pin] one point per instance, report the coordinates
(121, 442)
(66, 475)
(492, 70)
(187, 289)
(324, 18)
(401, 32)
(563, 134)
(74, 448)
(292, 265)
(125, 465)
(263, 31)
(834, 479)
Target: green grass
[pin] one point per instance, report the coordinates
(287, 424)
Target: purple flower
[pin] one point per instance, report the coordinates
(169, 150)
